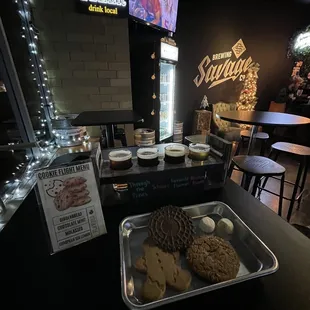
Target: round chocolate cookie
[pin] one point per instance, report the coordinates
(213, 259)
(171, 229)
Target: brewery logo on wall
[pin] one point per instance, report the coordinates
(104, 7)
(223, 67)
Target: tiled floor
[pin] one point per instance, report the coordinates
(301, 216)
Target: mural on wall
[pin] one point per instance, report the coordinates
(213, 71)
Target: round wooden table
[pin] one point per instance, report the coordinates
(258, 118)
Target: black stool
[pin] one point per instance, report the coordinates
(262, 136)
(258, 167)
(303, 153)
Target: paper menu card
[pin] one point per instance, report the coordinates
(71, 204)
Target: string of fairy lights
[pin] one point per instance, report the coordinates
(47, 109)
(25, 170)
(47, 138)
(47, 112)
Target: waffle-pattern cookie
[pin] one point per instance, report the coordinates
(161, 269)
(213, 259)
(171, 228)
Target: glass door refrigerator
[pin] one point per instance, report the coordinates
(167, 67)
(153, 69)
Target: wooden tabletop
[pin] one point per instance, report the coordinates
(263, 118)
(98, 118)
(90, 273)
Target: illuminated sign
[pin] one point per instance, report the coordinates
(104, 7)
(169, 52)
(302, 41)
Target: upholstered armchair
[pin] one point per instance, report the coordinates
(226, 130)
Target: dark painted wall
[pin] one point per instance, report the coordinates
(211, 27)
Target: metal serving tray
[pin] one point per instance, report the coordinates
(256, 260)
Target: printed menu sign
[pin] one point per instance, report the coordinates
(71, 204)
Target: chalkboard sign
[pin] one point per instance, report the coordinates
(154, 186)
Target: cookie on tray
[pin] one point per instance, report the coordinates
(213, 259)
(171, 228)
(161, 269)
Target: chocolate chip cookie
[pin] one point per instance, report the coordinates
(213, 259)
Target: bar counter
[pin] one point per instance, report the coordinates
(89, 274)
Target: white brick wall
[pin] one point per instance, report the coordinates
(87, 57)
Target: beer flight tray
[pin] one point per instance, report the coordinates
(145, 182)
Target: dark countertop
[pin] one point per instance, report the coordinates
(264, 118)
(90, 273)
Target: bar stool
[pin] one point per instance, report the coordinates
(303, 152)
(258, 167)
(262, 136)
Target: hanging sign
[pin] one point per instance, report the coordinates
(71, 204)
(169, 52)
(104, 7)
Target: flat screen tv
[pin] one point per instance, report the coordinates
(159, 13)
